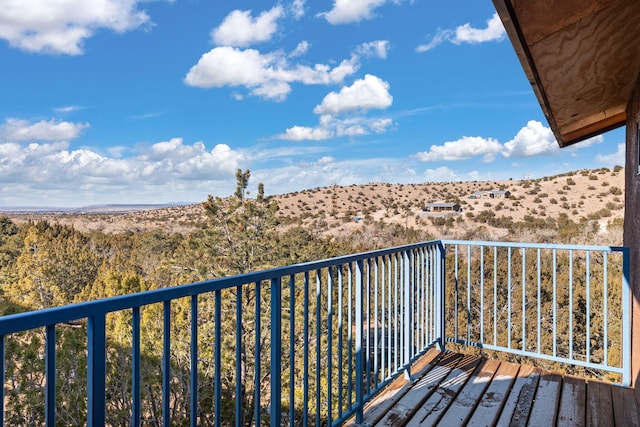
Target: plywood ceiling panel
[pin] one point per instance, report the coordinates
(581, 56)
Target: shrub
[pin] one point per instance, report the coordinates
(615, 191)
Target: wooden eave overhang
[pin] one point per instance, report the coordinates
(582, 58)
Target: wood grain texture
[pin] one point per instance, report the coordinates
(466, 401)
(599, 404)
(382, 404)
(545, 404)
(625, 407)
(433, 408)
(489, 407)
(420, 391)
(456, 390)
(572, 410)
(582, 58)
(527, 378)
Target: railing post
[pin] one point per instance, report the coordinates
(217, 357)
(276, 352)
(50, 369)
(359, 354)
(135, 367)
(96, 370)
(408, 301)
(441, 284)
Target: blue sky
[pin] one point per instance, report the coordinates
(138, 101)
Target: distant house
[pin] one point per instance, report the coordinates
(443, 207)
(490, 194)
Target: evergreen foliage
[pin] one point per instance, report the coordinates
(46, 265)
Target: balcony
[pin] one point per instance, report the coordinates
(358, 339)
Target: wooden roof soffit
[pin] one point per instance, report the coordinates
(582, 58)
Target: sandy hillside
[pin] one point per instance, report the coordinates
(593, 195)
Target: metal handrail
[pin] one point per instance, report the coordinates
(567, 280)
(333, 333)
(383, 294)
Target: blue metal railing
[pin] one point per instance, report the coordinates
(313, 343)
(578, 296)
(330, 334)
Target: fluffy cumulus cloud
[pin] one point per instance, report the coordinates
(462, 149)
(534, 139)
(304, 133)
(364, 94)
(162, 162)
(494, 31)
(343, 113)
(270, 75)
(240, 29)
(61, 27)
(349, 11)
(40, 161)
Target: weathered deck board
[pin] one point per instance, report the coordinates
(398, 388)
(431, 411)
(599, 404)
(545, 404)
(420, 391)
(467, 390)
(488, 410)
(465, 403)
(525, 382)
(573, 402)
(625, 407)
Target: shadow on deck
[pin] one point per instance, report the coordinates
(451, 389)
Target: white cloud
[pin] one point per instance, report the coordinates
(376, 49)
(441, 174)
(348, 11)
(342, 113)
(300, 50)
(229, 66)
(365, 94)
(467, 34)
(303, 133)
(328, 170)
(49, 170)
(67, 109)
(587, 142)
(462, 149)
(269, 75)
(297, 8)
(614, 159)
(534, 139)
(274, 90)
(16, 130)
(61, 27)
(240, 29)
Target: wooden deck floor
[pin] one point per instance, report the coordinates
(451, 389)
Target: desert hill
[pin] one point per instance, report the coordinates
(594, 196)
